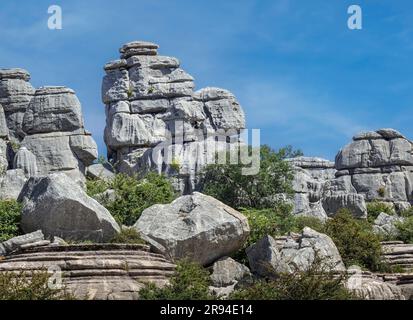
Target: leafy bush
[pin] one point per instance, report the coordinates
(190, 282)
(226, 182)
(10, 212)
(315, 283)
(128, 236)
(29, 286)
(133, 195)
(374, 208)
(405, 229)
(312, 222)
(355, 240)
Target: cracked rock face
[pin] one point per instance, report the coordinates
(151, 103)
(41, 131)
(376, 165)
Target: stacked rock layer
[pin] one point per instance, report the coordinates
(98, 272)
(151, 106)
(41, 131)
(375, 166)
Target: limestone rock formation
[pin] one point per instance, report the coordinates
(152, 109)
(269, 256)
(226, 275)
(96, 272)
(59, 207)
(368, 286)
(42, 130)
(195, 226)
(16, 243)
(376, 165)
(386, 225)
(100, 171)
(398, 254)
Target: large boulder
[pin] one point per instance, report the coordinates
(195, 226)
(386, 225)
(11, 184)
(59, 207)
(269, 257)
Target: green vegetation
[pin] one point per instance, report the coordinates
(226, 182)
(133, 194)
(190, 282)
(374, 208)
(29, 286)
(128, 236)
(355, 240)
(405, 229)
(315, 283)
(10, 212)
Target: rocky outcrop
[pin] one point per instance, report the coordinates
(155, 120)
(270, 256)
(226, 275)
(398, 254)
(42, 130)
(368, 286)
(376, 165)
(98, 272)
(59, 207)
(16, 243)
(386, 225)
(100, 171)
(196, 226)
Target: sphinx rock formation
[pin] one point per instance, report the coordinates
(151, 106)
(41, 131)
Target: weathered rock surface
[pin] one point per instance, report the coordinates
(11, 184)
(386, 225)
(46, 125)
(59, 207)
(96, 272)
(100, 171)
(368, 286)
(196, 226)
(16, 243)
(398, 254)
(151, 106)
(269, 256)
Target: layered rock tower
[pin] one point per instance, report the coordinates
(41, 131)
(151, 104)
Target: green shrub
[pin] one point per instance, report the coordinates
(405, 229)
(128, 236)
(190, 282)
(133, 194)
(10, 212)
(226, 182)
(374, 208)
(312, 222)
(315, 283)
(96, 186)
(29, 286)
(355, 240)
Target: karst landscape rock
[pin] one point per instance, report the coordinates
(157, 121)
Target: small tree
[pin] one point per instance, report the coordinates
(226, 182)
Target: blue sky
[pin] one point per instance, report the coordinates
(301, 75)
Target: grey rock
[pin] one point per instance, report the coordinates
(56, 205)
(192, 222)
(15, 244)
(12, 184)
(85, 148)
(268, 257)
(26, 161)
(4, 130)
(385, 224)
(149, 106)
(100, 171)
(353, 201)
(53, 109)
(226, 272)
